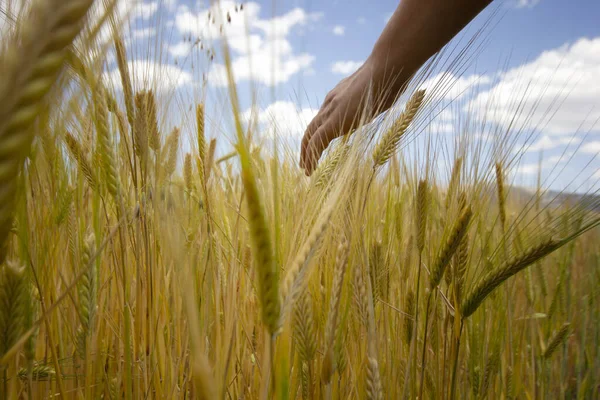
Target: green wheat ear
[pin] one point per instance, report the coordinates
(13, 304)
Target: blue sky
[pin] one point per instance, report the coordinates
(288, 54)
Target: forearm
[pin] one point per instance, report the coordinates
(416, 31)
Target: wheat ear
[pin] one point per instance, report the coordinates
(121, 56)
(496, 277)
(374, 391)
(172, 146)
(140, 127)
(201, 142)
(31, 63)
(260, 237)
(421, 214)
(79, 155)
(458, 232)
(388, 144)
(327, 167)
(331, 327)
(13, 297)
(556, 340)
(187, 172)
(454, 181)
(304, 332)
(107, 152)
(295, 278)
(87, 288)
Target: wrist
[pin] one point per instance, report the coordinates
(388, 76)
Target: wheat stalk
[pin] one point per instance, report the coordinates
(501, 194)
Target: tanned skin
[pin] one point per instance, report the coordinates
(416, 31)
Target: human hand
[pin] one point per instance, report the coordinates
(340, 114)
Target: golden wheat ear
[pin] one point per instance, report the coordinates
(388, 144)
(31, 64)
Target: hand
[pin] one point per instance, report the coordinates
(340, 114)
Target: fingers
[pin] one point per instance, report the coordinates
(328, 131)
(311, 129)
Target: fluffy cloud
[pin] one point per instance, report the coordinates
(261, 49)
(281, 118)
(148, 74)
(547, 143)
(525, 3)
(556, 91)
(339, 30)
(591, 147)
(345, 67)
(546, 164)
(449, 86)
(143, 33)
(273, 63)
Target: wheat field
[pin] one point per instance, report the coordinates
(141, 259)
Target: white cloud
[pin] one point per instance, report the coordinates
(281, 118)
(591, 147)
(261, 49)
(547, 143)
(361, 20)
(180, 49)
(525, 3)
(272, 64)
(149, 74)
(345, 67)
(556, 92)
(247, 44)
(143, 33)
(339, 30)
(449, 86)
(546, 164)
